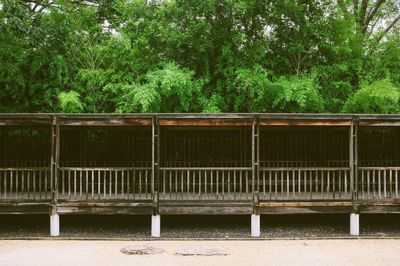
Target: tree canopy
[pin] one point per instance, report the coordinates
(200, 56)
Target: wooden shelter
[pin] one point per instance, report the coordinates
(160, 164)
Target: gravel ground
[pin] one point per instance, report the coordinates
(277, 252)
(219, 227)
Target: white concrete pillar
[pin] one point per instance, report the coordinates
(255, 225)
(155, 225)
(354, 224)
(54, 225)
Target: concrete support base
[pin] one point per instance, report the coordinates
(255, 225)
(54, 225)
(354, 224)
(155, 225)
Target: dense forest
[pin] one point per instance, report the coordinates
(200, 56)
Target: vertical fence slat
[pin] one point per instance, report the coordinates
(170, 184)
(390, 183)
(234, 184)
(98, 184)
(368, 184)
(134, 184)
(396, 188)
(373, 184)
(362, 184)
(276, 184)
(11, 184)
(105, 185)
(384, 183)
(147, 183)
(294, 183)
(379, 184)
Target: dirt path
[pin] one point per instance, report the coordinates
(262, 252)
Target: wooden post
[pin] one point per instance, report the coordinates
(255, 163)
(351, 158)
(54, 165)
(255, 217)
(354, 216)
(355, 164)
(155, 167)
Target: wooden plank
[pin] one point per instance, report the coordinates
(205, 122)
(196, 210)
(374, 123)
(305, 210)
(135, 210)
(104, 121)
(304, 203)
(289, 122)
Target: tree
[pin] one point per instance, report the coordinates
(194, 56)
(168, 89)
(380, 97)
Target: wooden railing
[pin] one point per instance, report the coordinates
(25, 183)
(378, 182)
(186, 183)
(305, 183)
(122, 183)
(216, 183)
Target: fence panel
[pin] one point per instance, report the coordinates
(215, 183)
(77, 183)
(25, 184)
(378, 182)
(305, 183)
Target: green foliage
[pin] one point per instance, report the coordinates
(254, 92)
(69, 102)
(297, 94)
(380, 97)
(199, 56)
(164, 90)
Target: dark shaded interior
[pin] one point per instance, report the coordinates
(378, 146)
(302, 146)
(23, 146)
(205, 147)
(105, 146)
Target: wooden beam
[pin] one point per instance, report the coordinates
(304, 123)
(105, 121)
(205, 122)
(304, 203)
(377, 123)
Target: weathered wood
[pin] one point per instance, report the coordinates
(304, 203)
(277, 178)
(195, 210)
(305, 210)
(304, 123)
(205, 122)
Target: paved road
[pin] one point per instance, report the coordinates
(259, 252)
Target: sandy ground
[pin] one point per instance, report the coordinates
(259, 252)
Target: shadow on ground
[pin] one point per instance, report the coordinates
(225, 227)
